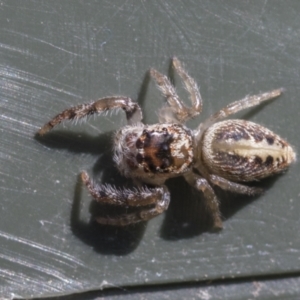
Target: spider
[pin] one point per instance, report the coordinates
(223, 153)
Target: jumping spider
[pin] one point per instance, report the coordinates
(217, 153)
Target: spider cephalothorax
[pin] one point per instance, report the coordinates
(218, 152)
(154, 153)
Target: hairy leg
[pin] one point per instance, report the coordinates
(191, 87)
(131, 108)
(239, 105)
(122, 197)
(157, 199)
(177, 111)
(141, 215)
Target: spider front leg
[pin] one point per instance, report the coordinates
(131, 108)
(157, 199)
(177, 110)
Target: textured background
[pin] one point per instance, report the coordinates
(56, 54)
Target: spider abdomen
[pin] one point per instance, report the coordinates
(240, 150)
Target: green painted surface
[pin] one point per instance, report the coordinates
(56, 54)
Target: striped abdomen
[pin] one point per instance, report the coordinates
(244, 151)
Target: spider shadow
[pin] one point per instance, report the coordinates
(103, 239)
(112, 240)
(76, 142)
(187, 215)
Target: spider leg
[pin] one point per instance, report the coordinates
(191, 86)
(177, 111)
(139, 216)
(234, 187)
(159, 198)
(131, 108)
(122, 197)
(236, 106)
(211, 201)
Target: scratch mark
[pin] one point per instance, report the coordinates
(40, 41)
(41, 247)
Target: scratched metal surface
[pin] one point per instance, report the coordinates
(58, 54)
(287, 288)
